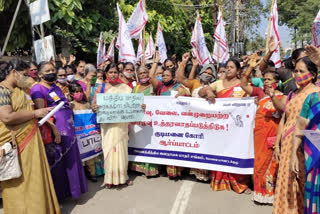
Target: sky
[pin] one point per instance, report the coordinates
(284, 31)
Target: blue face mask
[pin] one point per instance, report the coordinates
(159, 78)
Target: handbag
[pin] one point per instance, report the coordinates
(9, 160)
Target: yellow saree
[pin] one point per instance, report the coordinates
(33, 192)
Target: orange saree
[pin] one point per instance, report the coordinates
(223, 180)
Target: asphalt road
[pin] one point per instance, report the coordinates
(161, 196)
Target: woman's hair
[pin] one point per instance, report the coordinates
(128, 63)
(80, 62)
(103, 74)
(32, 63)
(235, 61)
(288, 63)
(74, 87)
(42, 64)
(167, 60)
(312, 68)
(19, 65)
(143, 68)
(112, 65)
(69, 66)
(296, 53)
(88, 68)
(274, 74)
(172, 70)
(5, 68)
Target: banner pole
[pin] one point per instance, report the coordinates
(269, 28)
(143, 37)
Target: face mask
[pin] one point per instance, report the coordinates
(22, 82)
(206, 78)
(62, 81)
(144, 80)
(81, 73)
(128, 75)
(113, 81)
(170, 82)
(274, 86)
(71, 77)
(33, 73)
(159, 78)
(304, 79)
(78, 96)
(50, 77)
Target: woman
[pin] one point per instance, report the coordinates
(289, 194)
(33, 192)
(33, 71)
(266, 126)
(308, 119)
(144, 87)
(64, 158)
(128, 75)
(62, 81)
(228, 87)
(90, 77)
(165, 88)
(114, 135)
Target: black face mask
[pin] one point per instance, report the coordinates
(170, 82)
(50, 77)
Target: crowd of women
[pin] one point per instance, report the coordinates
(286, 165)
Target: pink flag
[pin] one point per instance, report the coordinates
(140, 48)
(137, 20)
(150, 49)
(124, 43)
(316, 31)
(110, 53)
(100, 52)
(221, 41)
(274, 32)
(161, 44)
(198, 43)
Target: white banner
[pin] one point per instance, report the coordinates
(44, 49)
(221, 47)
(39, 11)
(193, 133)
(161, 44)
(150, 48)
(137, 20)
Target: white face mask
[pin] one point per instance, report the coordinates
(71, 77)
(62, 81)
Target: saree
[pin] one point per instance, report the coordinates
(289, 192)
(265, 163)
(311, 112)
(33, 192)
(115, 145)
(223, 180)
(148, 169)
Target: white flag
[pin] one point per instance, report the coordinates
(161, 44)
(316, 31)
(198, 43)
(137, 20)
(124, 43)
(110, 53)
(39, 12)
(150, 49)
(276, 58)
(140, 48)
(100, 52)
(221, 42)
(44, 49)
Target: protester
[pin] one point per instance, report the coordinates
(169, 64)
(64, 158)
(35, 183)
(90, 78)
(207, 76)
(229, 87)
(114, 135)
(159, 72)
(33, 71)
(120, 66)
(144, 87)
(128, 76)
(79, 102)
(221, 72)
(266, 125)
(80, 70)
(62, 81)
(289, 197)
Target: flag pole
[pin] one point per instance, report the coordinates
(143, 37)
(155, 45)
(269, 27)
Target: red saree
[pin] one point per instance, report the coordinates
(223, 180)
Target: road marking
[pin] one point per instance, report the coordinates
(181, 202)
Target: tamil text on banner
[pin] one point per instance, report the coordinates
(88, 134)
(193, 133)
(119, 108)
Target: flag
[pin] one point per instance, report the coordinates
(110, 52)
(150, 49)
(137, 20)
(39, 11)
(316, 31)
(140, 48)
(100, 52)
(198, 43)
(161, 44)
(124, 43)
(274, 32)
(221, 41)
